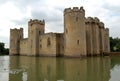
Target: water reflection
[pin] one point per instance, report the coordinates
(59, 69)
(115, 69)
(4, 68)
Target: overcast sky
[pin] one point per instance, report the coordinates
(17, 13)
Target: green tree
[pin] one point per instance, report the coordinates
(115, 44)
(1, 47)
(3, 50)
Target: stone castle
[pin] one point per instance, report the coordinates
(82, 37)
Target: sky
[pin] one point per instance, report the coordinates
(17, 13)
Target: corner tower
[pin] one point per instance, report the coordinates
(74, 32)
(35, 29)
(15, 36)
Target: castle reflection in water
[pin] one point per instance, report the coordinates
(59, 69)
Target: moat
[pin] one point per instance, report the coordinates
(22, 68)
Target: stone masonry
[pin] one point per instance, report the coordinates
(82, 37)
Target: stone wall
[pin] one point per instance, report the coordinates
(60, 44)
(97, 37)
(89, 36)
(24, 47)
(15, 36)
(47, 44)
(106, 41)
(35, 29)
(75, 32)
(102, 40)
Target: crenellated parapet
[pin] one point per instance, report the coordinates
(101, 25)
(92, 20)
(89, 20)
(74, 9)
(107, 29)
(96, 20)
(15, 36)
(15, 30)
(36, 21)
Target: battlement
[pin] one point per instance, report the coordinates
(89, 20)
(96, 20)
(36, 21)
(92, 20)
(101, 24)
(107, 29)
(75, 9)
(16, 30)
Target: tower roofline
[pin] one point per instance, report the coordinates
(74, 9)
(16, 29)
(101, 24)
(36, 21)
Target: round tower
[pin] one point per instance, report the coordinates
(101, 29)
(106, 41)
(96, 36)
(89, 36)
(15, 36)
(35, 29)
(74, 32)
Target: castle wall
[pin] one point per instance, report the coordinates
(93, 36)
(96, 38)
(24, 47)
(101, 30)
(106, 41)
(51, 44)
(15, 36)
(89, 40)
(35, 29)
(75, 32)
(47, 45)
(60, 44)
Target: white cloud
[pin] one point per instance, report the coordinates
(17, 13)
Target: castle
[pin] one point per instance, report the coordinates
(82, 37)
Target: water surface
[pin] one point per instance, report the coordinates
(23, 68)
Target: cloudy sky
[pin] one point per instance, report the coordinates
(16, 14)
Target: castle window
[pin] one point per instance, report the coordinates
(40, 40)
(18, 41)
(40, 46)
(48, 42)
(63, 47)
(39, 32)
(76, 18)
(66, 31)
(31, 43)
(20, 36)
(78, 42)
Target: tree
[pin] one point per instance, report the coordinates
(115, 44)
(3, 50)
(1, 47)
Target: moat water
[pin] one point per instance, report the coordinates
(22, 68)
